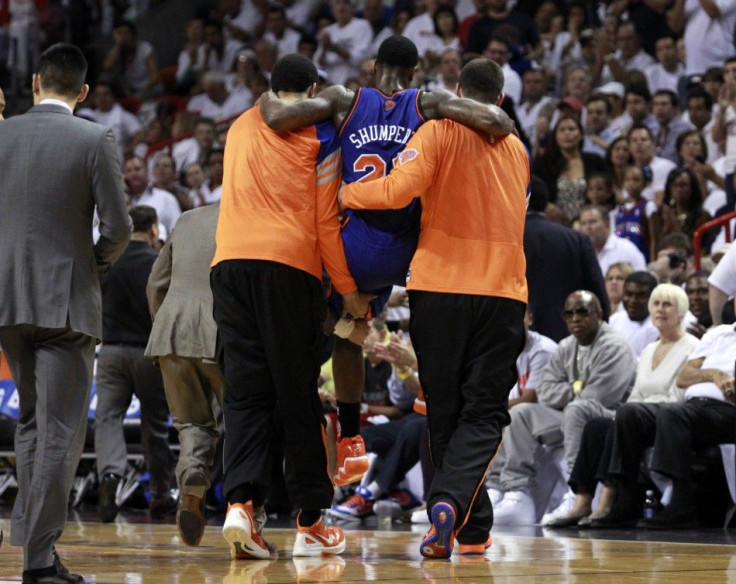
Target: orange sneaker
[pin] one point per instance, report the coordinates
(241, 532)
(440, 539)
(352, 462)
(470, 549)
(318, 539)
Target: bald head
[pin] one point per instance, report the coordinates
(583, 315)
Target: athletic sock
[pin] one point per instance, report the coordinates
(309, 517)
(348, 416)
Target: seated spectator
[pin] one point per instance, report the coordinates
(166, 177)
(674, 260)
(587, 376)
(628, 56)
(697, 320)
(617, 159)
(196, 148)
(598, 133)
(641, 146)
(196, 179)
(343, 44)
(706, 418)
(141, 192)
(636, 218)
(107, 112)
(243, 70)
(564, 167)
(682, 210)
(600, 190)
(655, 384)
(266, 56)
(217, 102)
(279, 32)
(448, 72)
(722, 284)
(133, 62)
(667, 71)
(215, 170)
(396, 443)
(700, 114)
(190, 61)
(535, 102)
(669, 125)
(634, 322)
(609, 247)
(498, 49)
(693, 154)
(445, 35)
(615, 277)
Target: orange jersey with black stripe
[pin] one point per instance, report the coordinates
(473, 196)
(279, 198)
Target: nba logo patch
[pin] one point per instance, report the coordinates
(406, 156)
(389, 104)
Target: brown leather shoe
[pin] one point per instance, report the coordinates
(190, 519)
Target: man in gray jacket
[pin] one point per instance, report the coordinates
(56, 169)
(589, 375)
(184, 339)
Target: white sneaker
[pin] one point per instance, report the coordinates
(241, 532)
(566, 505)
(516, 508)
(318, 539)
(420, 516)
(496, 496)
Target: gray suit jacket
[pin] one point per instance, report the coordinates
(179, 294)
(55, 170)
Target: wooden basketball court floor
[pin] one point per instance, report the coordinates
(134, 551)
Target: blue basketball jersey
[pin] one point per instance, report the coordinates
(377, 128)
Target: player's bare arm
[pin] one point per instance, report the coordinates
(486, 118)
(331, 103)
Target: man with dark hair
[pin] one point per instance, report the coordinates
(551, 282)
(277, 227)
(375, 124)
(50, 317)
(669, 124)
(467, 280)
(634, 322)
(123, 370)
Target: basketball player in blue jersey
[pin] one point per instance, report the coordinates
(374, 126)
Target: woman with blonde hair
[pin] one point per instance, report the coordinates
(614, 277)
(655, 385)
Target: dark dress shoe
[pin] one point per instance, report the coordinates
(669, 518)
(162, 505)
(616, 519)
(190, 519)
(51, 575)
(562, 522)
(107, 509)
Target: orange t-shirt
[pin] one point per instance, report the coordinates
(473, 209)
(279, 199)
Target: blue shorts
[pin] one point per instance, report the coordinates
(377, 260)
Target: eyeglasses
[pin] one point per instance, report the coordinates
(568, 314)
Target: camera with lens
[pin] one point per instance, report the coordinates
(677, 259)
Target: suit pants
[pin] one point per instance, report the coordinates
(269, 317)
(121, 372)
(397, 444)
(675, 430)
(52, 369)
(534, 425)
(594, 457)
(466, 347)
(194, 391)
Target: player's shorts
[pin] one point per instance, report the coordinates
(377, 260)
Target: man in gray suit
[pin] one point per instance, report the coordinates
(184, 338)
(56, 170)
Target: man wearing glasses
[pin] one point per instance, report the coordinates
(589, 375)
